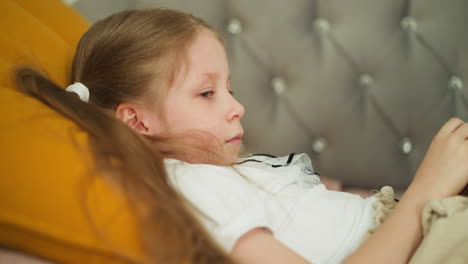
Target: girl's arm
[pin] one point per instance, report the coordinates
(443, 173)
(259, 246)
(393, 242)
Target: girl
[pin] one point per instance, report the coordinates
(164, 75)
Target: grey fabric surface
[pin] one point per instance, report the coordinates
(362, 86)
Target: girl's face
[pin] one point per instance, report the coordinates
(201, 98)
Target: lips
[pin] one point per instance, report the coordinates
(236, 139)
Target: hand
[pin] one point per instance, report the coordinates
(444, 170)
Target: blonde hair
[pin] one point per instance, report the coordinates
(118, 59)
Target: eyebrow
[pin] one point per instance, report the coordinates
(214, 75)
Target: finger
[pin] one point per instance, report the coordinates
(462, 131)
(450, 126)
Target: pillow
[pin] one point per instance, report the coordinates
(51, 203)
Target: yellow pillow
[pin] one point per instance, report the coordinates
(39, 33)
(47, 194)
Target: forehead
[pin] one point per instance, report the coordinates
(205, 57)
(206, 47)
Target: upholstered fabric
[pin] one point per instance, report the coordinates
(362, 86)
(51, 203)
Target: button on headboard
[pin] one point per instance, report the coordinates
(361, 86)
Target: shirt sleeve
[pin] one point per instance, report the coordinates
(232, 204)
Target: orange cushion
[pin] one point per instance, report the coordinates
(44, 159)
(39, 33)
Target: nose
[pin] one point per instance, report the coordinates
(236, 111)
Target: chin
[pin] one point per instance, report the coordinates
(231, 156)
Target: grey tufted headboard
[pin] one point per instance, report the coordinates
(360, 85)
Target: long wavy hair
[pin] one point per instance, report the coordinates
(118, 59)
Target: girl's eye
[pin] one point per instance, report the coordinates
(207, 94)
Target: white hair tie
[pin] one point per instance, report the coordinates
(80, 89)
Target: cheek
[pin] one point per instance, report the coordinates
(182, 121)
(192, 122)
(185, 118)
(156, 125)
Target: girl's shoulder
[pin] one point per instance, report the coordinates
(190, 177)
(181, 169)
(229, 204)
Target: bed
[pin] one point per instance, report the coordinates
(360, 86)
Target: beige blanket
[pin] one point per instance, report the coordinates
(445, 230)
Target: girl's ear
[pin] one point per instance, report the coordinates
(134, 117)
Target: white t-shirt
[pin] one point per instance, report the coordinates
(283, 194)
